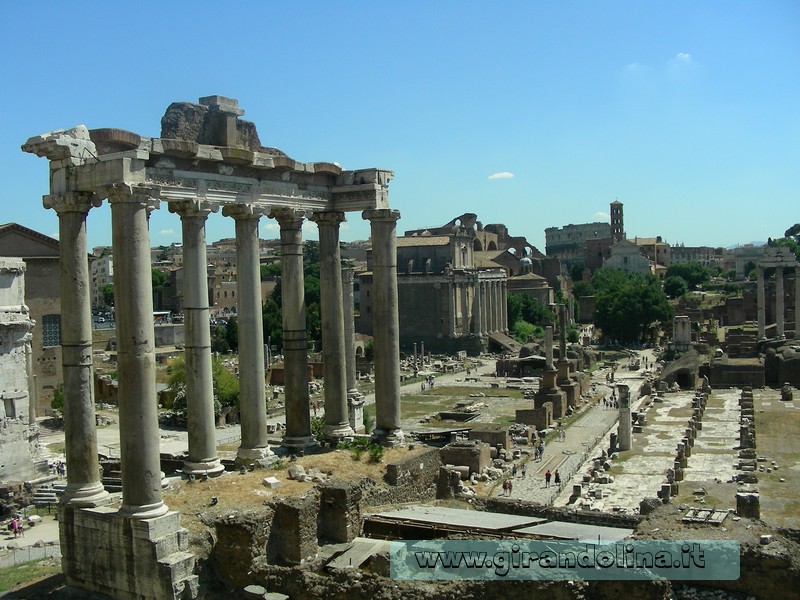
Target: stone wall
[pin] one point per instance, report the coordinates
(473, 454)
(532, 509)
(410, 480)
(339, 512)
(492, 435)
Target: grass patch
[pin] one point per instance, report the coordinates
(57, 447)
(19, 575)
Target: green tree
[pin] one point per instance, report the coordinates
(160, 279)
(57, 403)
(788, 242)
(226, 384)
(675, 286)
(576, 271)
(694, 274)
(273, 324)
(369, 351)
(232, 334)
(270, 270)
(108, 294)
(582, 288)
(626, 305)
(522, 331)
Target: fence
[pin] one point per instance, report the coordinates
(16, 556)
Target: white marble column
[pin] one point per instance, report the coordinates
(136, 361)
(348, 310)
(80, 433)
(337, 419)
(383, 224)
(498, 303)
(295, 341)
(779, 329)
(201, 423)
(761, 307)
(252, 396)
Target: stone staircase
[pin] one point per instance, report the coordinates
(48, 495)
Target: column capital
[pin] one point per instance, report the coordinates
(288, 218)
(381, 214)
(71, 202)
(121, 193)
(243, 211)
(193, 208)
(328, 218)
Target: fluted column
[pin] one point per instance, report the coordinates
(498, 306)
(252, 397)
(385, 317)
(337, 421)
(487, 326)
(779, 329)
(201, 424)
(761, 307)
(295, 341)
(136, 361)
(80, 433)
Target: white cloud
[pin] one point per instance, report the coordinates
(501, 175)
(167, 232)
(683, 56)
(600, 215)
(270, 225)
(54, 234)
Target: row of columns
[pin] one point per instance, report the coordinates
(139, 435)
(761, 305)
(490, 307)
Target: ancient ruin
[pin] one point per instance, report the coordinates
(206, 159)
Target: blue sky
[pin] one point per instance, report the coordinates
(687, 112)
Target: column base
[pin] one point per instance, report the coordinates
(388, 437)
(338, 431)
(85, 495)
(299, 442)
(144, 511)
(252, 454)
(209, 468)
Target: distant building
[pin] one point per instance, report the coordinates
(702, 255)
(589, 243)
(42, 296)
(628, 256)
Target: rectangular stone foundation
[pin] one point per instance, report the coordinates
(124, 558)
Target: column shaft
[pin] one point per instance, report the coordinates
(451, 304)
(348, 308)
(387, 331)
(337, 421)
(136, 364)
(252, 397)
(761, 308)
(201, 425)
(464, 309)
(295, 342)
(478, 307)
(779, 329)
(80, 434)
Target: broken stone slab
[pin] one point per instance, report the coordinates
(254, 592)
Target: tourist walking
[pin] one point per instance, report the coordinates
(524, 469)
(557, 479)
(510, 487)
(547, 477)
(541, 450)
(514, 471)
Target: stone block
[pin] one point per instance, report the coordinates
(271, 482)
(472, 454)
(748, 505)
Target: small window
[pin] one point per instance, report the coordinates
(51, 330)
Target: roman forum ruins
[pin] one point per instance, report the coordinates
(206, 159)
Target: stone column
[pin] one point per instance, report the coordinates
(295, 342)
(464, 310)
(383, 224)
(452, 290)
(348, 307)
(32, 392)
(499, 302)
(506, 326)
(625, 425)
(80, 434)
(797, 303)
(487, 326)
(478, 308)
(548, 347)
(761, 306)
(337, 421)
(136, 361)
(252, 397)
(201, 425)
(779, 329)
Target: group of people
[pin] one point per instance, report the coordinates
(538, 452)
(17, 527)
(556, 477)
(611, 402)
(523, 470)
